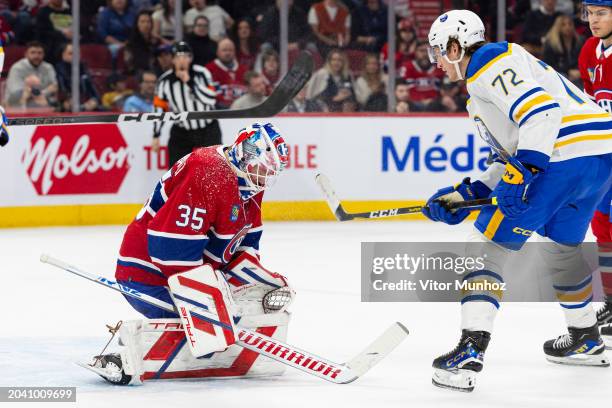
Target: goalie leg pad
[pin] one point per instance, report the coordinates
(203, 300)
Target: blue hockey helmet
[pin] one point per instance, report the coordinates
(600, 3)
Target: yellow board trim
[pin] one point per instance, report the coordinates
(488, 64)
(581, 296)
(535, 101)
(572, 118)
(123, 214)
(581, 139)
(493, 225)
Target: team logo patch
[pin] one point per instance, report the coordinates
(235, 212)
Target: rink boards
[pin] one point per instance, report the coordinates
(101, 174)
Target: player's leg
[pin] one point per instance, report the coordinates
(601, 226)
(457, 369)
(179, 144)
(209, 136)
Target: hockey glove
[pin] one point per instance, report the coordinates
(4, 137)
(511, 191)
(437, 207)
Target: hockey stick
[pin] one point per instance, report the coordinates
(289, 86)
(342, 215)
(273, 348)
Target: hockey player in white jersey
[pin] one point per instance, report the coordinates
(560, 167)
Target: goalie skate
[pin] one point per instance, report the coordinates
(110, 368)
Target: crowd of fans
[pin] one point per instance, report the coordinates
(238, 42)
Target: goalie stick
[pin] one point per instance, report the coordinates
(289, 86)
(342, 215)
(273, 348)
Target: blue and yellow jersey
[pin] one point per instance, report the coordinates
(531, 109)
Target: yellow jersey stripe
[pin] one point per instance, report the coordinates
(572, 118)
(488, 64)
(581, 296)
(528, 105)
(582, 138)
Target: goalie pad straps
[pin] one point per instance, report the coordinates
(255, 289)
(205, 308)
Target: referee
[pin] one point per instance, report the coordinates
(185, 88)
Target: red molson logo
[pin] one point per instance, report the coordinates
(76, 159)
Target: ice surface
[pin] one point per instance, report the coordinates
(51, 319)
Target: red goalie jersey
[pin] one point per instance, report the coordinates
(595, 63)
(194, 216)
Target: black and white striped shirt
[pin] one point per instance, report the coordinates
(172, 94)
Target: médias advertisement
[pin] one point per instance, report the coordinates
(102, 173)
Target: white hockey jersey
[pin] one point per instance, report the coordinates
(532, 110)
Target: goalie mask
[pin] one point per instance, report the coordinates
(258, 156)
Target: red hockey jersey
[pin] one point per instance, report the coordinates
(595, 63)
(194, 216)
(424, 84)
(229, 83)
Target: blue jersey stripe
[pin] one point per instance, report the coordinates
(157, 200)
(483, 272)
(538, 110)
(521, 99)
(579, 286)
(252, 239)
(585, 126)
(485, 298)
(141, 267)
(578, 306)
(176, 249)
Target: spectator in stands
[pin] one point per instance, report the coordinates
(370, 25)
(371, 81)
(406, 44)
(16, 22)
(332, 84)
(163, 22)
(537, 24)
(163, 59)
(247, 44)
(423, 79)
(119, 91)
(331, 24)
(204, 49)
(31, 81)
(270, 69)
(227, 73)
(452, 99)
(54, 27)
(269, 27)
(300, 104)
(114, 25)
(220, 21)
(562, 47)
(89, 97)
(140, 47)
(402, 96)
(256, 91)
(142, 101)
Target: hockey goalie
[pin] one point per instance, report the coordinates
(195, 244)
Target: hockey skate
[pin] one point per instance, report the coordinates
(604, 321)
(109, 367)
(577, 347)
(457, 369)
